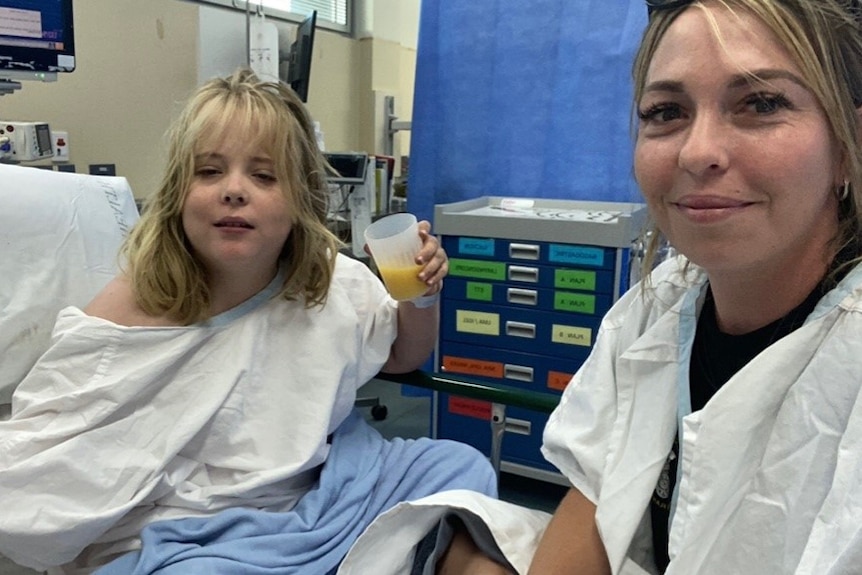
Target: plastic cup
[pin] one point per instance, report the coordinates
(394, 242)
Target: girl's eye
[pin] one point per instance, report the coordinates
(205, 171)
(266, 177)
(664, 112)
(766, 103)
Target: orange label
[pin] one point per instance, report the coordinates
(469, 366)
(470, 408)
(558, 380)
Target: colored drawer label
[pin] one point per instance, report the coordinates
(470, 408)
(578, 255)
(480, 291)
(477, 269)
(571, 335)
(476, 247)
(575, 279)
(483, 323)
(558, 380)
(576, 302)
(468, 366)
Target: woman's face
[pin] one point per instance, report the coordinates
(738, 173)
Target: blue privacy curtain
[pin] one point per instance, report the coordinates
(528, 98)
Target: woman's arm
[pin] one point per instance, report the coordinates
(417, 326)
(571, 543)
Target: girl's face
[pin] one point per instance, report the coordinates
(737, 172)
(236, 214)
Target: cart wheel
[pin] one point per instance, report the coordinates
(379, 412)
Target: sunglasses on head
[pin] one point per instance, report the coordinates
(653, 5)
(665, 4)
(854, 7)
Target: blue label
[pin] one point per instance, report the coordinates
(476, 246)
(568, 254)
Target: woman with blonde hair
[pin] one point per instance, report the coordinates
(716, 426)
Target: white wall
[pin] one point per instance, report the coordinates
(138, 61)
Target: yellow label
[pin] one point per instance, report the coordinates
(571, 335)
(403, 283)
(477, 322)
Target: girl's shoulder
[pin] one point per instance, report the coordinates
(116, 303)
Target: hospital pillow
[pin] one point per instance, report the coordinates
(59, 237)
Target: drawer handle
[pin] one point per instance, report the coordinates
(519, 426)
(519, 329)
(524, 274)
(524, 251)
(522, 296)
(518, 372)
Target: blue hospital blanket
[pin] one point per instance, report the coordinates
(364, 475)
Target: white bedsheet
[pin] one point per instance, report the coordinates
(59, 236)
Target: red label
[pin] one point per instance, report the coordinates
(469, 366)
(558, 380)
(470, 408)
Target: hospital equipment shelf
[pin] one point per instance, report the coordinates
(529, 281)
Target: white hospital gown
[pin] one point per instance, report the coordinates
(116, 427)
(771, 473)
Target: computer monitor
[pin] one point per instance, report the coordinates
(37, 39)
(351, 168)
(299, 57)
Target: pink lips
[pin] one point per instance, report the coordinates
(234, 222)
(709, 209)
(710, 203)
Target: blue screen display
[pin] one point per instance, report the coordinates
(36, 36)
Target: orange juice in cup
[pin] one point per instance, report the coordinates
(403, 283)
(394, 242)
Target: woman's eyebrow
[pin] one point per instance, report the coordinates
(664, 86)
(766, 74)
(738, 81)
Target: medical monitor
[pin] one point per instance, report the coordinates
(37, 39)
(351, 168)
(299, 58)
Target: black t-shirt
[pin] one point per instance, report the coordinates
(715, 358)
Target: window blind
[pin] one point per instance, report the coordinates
(331, 14)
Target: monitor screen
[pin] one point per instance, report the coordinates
(36, 39)
(299, 63)
(351, 167)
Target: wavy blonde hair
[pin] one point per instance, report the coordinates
(167, 278)
(824, 38)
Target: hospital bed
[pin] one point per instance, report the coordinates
(59, 237)
(60, 233)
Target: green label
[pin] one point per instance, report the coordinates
(480, 291)
(575, 279)
(576, 302)
(478, 269)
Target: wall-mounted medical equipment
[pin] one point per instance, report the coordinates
(37, 41)
(25, 141)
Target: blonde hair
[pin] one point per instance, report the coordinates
(167, 278)
(824, 38)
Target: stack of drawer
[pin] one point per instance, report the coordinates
(522, 308)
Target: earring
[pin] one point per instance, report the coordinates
(843, 191)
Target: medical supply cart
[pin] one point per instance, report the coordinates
(529, 281)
